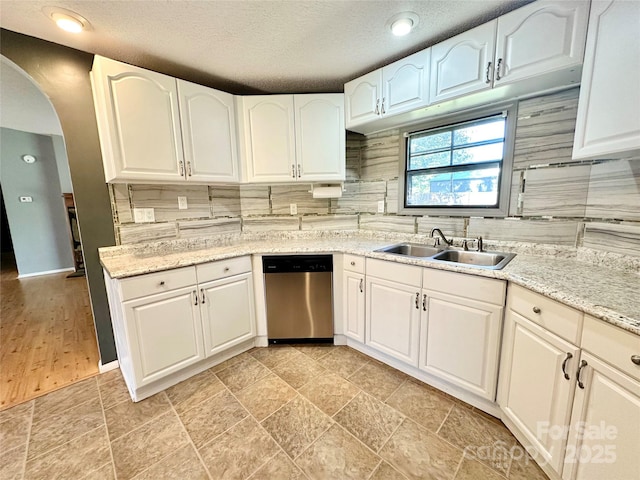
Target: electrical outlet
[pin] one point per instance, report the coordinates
(26, 199)
(149, 215)
(293, 207)
(380, 206)
(138, 215)
(182, 203)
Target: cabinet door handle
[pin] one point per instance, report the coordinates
(189, 168)
(226, 269)
(583, 364)
(424, 302)
(195, 297)
(361, 285)
(536, 310)
(299, 170)
(635, 359)
(293, 171)
(203, 297)
(382, 109)
(353, 264)
(161, 283)
(418, 301)
(181, 164)
(378, 106)
(487, 75)
(498, 77)
(564, 365)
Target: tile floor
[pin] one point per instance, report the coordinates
(289, 412)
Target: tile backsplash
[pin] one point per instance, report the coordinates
(554, 200)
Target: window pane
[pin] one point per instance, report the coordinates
(441, 159)
(484, 153)
(428, 143)
(492, 130)
(478, 188)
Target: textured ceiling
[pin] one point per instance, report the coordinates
(250, 46)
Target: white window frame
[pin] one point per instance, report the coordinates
(502, 209)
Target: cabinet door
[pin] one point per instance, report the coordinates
(164, 334)
(463, 64)
(228, 313)
(539, 38)
(362, 98)
(320, 137)
(354, 306)
(534, 392)
(460, 341)
(393, 319)
(406, 84)
(608, 122)
(138, 122)
(270, 143)
(605, 425)
(208, 124)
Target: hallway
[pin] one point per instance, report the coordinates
(47, 336)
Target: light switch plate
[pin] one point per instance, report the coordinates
(182, 202)
(293, 207)
(380, 206)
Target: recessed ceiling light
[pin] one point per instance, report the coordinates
(66, 19)
(402, 23)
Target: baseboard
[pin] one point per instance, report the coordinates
(108, 366)
(48, 272)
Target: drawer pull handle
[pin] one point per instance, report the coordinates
(564, 365)
(635, 359)
(226, 269)
(536, 310)
(353, 264)
(161, 283)
(583, 364)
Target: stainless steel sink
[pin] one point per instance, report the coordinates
(411, 250)
(489, 260)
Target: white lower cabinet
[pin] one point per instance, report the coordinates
(353, 299)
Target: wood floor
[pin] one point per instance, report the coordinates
(47, 336)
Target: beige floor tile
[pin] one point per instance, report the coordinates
(114, 392)
(75, 459)
(181, 465)
(127, 416)
(238, 452)
(65, 398)
(106, 472)
(14, 431)
(296, 425)
(523, 467)
(242, 374)
(370, 420)
(60, 428)
(329, 392)
(273, 355)
(193, 391)
(378, 379)
(418, 453)
(299, 371)
(279, 467)
(12, 462)
(386, 472)
(136, 451)
(212, 417)
(474, 470)
(110, 376)
(231, 361)
(476, 432)
(316, 352)
(21, 410)
(336, 454)
(422, 404)
(344, 361)
(266, 396)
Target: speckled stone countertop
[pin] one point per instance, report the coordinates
(608, 294)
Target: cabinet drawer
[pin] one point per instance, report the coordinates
(353, 263)
(611, 344)
(564, 321)
(159, 282)
(475, 288)
(223, 268)
(394, 272)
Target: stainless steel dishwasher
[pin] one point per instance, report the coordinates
(298, 291)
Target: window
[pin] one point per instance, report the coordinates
(462, 168)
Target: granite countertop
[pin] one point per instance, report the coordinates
(608, 294)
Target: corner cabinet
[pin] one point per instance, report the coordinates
(608, 121)
(293, 138)
(155, 128)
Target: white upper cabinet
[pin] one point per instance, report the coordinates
(608, 122)
(397, 88)
(208, 123)
(463, 64)
(154, 128)
(138, 122)
(290, 138)
(540, 37)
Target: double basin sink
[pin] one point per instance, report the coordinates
(487, 260)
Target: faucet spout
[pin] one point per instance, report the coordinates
(439, 232)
